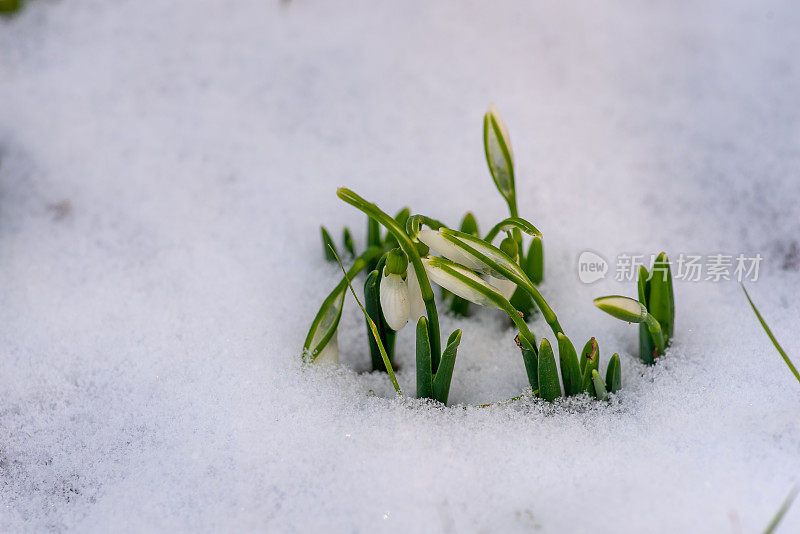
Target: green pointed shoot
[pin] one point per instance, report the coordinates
(600, 391)
(660, 298)
(632, 311)
(614, 374)
(327, 245)
(443, 377)
(497, 146)
(424, 373)
(325, 323)
(590, 361)
(534, 261)
(373, 308)
(530, 357)
(375, 333)
(774, 341)
(778, 517)
(349, 245)
(469, 224)
(410, 248)
(570, 367)
(9, 7)
(549, 388)
(491, 260)
(647, 348)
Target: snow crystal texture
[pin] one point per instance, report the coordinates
(164, 167)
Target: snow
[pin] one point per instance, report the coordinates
(164, 168)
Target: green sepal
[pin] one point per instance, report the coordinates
(570, 366)
(327, 245)
(534, 261)
(600, 391)
(647, 348)
(424, 374)
(660, 297)
(590, 361)
(549, 388)
(444, 375)
(349, 245)
(530, 357)
(373, 308)
(614, 374)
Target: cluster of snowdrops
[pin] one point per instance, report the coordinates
(416, 250)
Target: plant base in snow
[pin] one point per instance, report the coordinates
(417, 250)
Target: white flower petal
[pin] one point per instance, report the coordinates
(451, 251)
(490, 252)
(395, 301)
(506, 287)
(330, 354)
(456, 286)
(417, 305)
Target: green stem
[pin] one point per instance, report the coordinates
(411, 251)
(513, 210)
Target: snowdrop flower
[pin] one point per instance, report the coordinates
(438, 243)
(461, 281)
(506, 287)
(394, 296)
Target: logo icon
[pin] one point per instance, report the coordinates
(591, 267)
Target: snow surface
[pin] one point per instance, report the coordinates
(164, 167)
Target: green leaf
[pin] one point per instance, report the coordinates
(424, 375)
(347, 237)
(530, 357)
(772, 338)
(647, 348)
(534, 261)
(329, 248)
(549, 388)
(590, 361)
(778, 517)
(570, 366)
(443, 377)
(614, 374)
(660, 298)
(599, 386)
